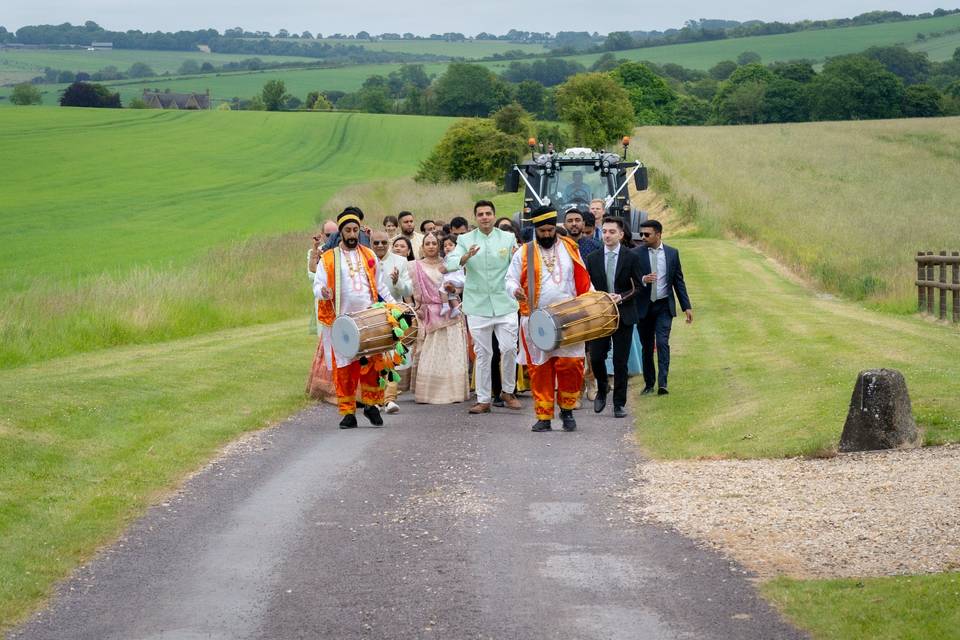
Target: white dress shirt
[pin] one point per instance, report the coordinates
(658, 263)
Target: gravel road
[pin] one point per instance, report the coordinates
(440, 525)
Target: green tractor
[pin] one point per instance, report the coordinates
(575, 177)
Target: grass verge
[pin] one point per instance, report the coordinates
(768, 366)
(895, 608)
(88, 442)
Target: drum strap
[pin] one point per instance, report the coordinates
(530, 274)
(336, 278)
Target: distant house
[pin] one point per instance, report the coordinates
(164, 100)
(101, 45)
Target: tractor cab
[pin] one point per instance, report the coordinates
(575, 177)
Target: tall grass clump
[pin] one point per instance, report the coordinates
(255, 281)
(847, 205)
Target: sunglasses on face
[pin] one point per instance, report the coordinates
(646, 234)
(379, 242)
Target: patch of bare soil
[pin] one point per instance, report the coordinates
(854, 515)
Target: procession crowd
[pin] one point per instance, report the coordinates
(472, 286)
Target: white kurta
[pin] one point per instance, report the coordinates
(355, 295)
(404, 286)
(554, 287)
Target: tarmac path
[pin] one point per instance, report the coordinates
(439, 525)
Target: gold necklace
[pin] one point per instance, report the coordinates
(549, 261)
(353, 267)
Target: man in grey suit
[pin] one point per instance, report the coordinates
(656, 306)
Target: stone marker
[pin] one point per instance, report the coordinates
(880, 415)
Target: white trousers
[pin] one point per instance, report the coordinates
(481, 330)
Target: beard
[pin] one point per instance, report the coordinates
(350, 243)
(547, 242)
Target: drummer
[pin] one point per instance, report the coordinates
(354, 288)
(558, 274)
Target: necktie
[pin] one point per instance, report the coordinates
(611, 270)
(654, 265)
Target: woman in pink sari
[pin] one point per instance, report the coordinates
(442, 365)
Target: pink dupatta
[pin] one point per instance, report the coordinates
(430, 300)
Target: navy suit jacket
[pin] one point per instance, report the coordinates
(675, 283)
(626, 279)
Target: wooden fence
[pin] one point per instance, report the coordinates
(931, 275)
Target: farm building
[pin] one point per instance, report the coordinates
(163, 100)
(101, 45)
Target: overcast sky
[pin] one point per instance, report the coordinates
(423, 17)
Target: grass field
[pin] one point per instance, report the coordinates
(847, 205)
(768, 366)
(95, 260)
(470, 49)
(224, 87)
(813, 45)
(17, 66)
(89, 442)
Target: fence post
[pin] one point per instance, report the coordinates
(956, 291)
(943, 288)
(929, 278)
(921, 290)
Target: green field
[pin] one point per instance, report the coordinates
(19, 66)
(812, 45)
(224, 87)
(466, 49)
(847, 204)
(102, 206)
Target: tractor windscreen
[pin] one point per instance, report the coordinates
(576, 186)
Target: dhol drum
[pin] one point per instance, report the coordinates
(368, 332)
(587, 317)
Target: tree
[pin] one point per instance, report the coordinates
(471, 150)
(618, 41)
(652, 98)
(785, 100)
(722, 70)
(469, 90)
(740, 98)
(137, 103)
(363, 35)
(597, 108)
(513, 120)
(188, 68)
(855, 88)
(274, 95)
(530, 94)
(25, 94)
(691, 110)
(66, 77)
(83, 94)
(912, 68)
(748, 57)
(606, 62)
(375, 99)
(140, 70)
(207, 67)
(922, 101)
(799, 71)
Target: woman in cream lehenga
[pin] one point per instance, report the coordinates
(442, 365)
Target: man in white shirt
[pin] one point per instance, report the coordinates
(656, 307)
(350, 278)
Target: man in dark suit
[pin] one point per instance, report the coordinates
(656, 307)
(614, 269)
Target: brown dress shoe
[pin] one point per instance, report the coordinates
(480, 407)
(511, 401)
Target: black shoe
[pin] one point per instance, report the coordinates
(646, 391)
(349, 422)
(600, 403)
(373, 415)
(619, 412)
(569, 424)
(497, 402)
(662, 391)
(542, 425)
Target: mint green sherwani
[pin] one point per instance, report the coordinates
(485, 291)
(488, 307)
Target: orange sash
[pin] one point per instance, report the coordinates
(581, 279)
(326, 311)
